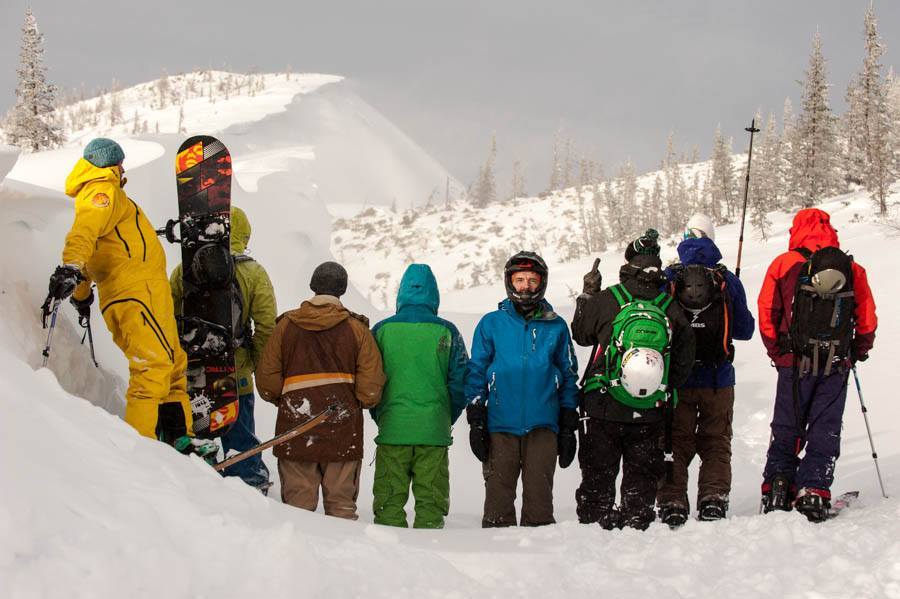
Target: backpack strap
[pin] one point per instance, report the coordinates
(662, 301)
(621, 294)
(805, 252)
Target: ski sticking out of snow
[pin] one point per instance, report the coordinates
(283, 437)
(842, 502)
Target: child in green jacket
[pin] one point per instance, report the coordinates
(425, 363)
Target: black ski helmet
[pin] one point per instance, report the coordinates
(525, 262)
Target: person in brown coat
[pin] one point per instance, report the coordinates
(320, 354)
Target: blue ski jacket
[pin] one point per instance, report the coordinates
(523, 370)
(704, 251)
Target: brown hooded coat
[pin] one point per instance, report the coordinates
(321, 354)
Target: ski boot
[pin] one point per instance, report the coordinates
(673, 515)
(778, 494)
(609, 518)
(712, 508)
(204, 448)
(813, 503)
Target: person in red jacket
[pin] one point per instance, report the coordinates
(812, 383)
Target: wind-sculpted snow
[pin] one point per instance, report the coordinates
(8, 158)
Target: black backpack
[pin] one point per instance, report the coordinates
(821, 322)
(701, 293)
(216, 269)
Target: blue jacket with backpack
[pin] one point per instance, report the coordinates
(523, 370)
(703, 251)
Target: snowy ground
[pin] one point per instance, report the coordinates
(89, 509)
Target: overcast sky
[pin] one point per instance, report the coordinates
(616, 76)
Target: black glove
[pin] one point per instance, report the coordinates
(479, 438)
(593, 280)
(857, 356)
(63, 281)
(566, 442)
(83, 307)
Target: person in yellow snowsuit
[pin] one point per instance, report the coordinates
(112, 243)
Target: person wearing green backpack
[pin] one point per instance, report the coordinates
(425, 364)
(643, 350)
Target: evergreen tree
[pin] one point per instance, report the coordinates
(867, 122)
(628, 208)
(518, 181)
(115, 106)
(759, 194)
(31, 125)
(766, 184)
(485, 188)
(814, 158)
(613, 211)
(162, 89)
(556, 174)
(567, 181)
(723, 183)
(893, 85)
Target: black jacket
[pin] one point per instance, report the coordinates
(592, 326)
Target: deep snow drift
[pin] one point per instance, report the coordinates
(89, 509)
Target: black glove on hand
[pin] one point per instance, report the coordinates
(479, 438)
(63, 281)
(566, 442)
(593, 280)
(83, 307)
(857, 356)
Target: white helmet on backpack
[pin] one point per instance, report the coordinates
(642, 371)
(698, 226)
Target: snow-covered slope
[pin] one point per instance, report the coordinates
(89, 509)
(334, 147)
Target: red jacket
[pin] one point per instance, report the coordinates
(811, 230)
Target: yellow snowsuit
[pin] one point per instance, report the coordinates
(114, 245)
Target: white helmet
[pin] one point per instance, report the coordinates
(700, 225)
(642, 371)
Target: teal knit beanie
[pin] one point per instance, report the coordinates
(103, 152)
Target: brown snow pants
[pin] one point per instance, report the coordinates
(534, 456)
(701, 426)
(300, 482)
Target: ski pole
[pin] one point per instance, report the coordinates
(751, 130)
(865, 413)
(52, 313)
(90, 337)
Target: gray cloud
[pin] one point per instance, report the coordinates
(617, 76)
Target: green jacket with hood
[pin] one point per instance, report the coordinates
(258, 298)
(425, 363)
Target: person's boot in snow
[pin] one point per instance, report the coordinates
(813, 503)
(777, 495)
(712, 508)
(673, 515)
(609, 518)
(204, 448)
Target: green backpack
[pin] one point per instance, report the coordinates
(639, 323)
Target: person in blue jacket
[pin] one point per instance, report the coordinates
(521, 390)
(702, 419)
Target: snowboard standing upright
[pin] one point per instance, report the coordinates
(208, 322)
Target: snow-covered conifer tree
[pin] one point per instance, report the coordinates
(518, 181)
(31, 125)
(484, 191)
(867, 122)
(814, 157)
(723, 182)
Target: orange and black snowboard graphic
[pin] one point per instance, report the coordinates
(207, 325)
